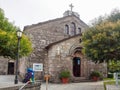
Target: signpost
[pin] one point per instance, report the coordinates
(37, 67)
(47, 77)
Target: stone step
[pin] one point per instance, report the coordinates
(7, 78)
(80, 79)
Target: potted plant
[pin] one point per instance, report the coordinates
(95, 75)
(64, 76)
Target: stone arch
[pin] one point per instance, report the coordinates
(76, 53)
(77, 62)
(75, 47)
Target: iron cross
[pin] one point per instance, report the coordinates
(71, 6)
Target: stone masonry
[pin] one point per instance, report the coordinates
(63, 59)
(45, 33)
(56, 48)
(3, 66)
(56, 43)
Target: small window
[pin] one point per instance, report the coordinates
(66, 29)
(80, 40)
(73, 28)
(79, 30)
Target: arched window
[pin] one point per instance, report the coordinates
(66, 29)
(73, 28)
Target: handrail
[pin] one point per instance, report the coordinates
(24, 85)
(28, 83)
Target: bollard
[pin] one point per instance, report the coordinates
(47, 77)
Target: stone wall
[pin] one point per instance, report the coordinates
(60, 58)
(3, 66)
(42, 34)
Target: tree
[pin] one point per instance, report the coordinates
(114, 66)
(102, 42)
(8, 40)
(113, 17)
(98, 21)
(5, 24)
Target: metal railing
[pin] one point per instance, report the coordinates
(24, 85)
(28, 83)
(117, 78)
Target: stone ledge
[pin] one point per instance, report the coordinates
(33, 86)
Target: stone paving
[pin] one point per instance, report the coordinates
(70, 86)
(75, 86)
(6, 81)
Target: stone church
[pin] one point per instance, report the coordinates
(57, 45)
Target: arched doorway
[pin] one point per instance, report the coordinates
(76, 66)
(77, 54)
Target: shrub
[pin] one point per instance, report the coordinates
(95, 73)
(65, 74)
(110, 75)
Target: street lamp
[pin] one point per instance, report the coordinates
(19, 35)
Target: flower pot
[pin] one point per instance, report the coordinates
(95, 78)
(65, 80)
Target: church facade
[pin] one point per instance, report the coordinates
(57, 45)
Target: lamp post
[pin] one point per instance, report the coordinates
(19, 35)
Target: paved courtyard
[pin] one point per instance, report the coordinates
(6, 81)
(75, 86)
(70, 86)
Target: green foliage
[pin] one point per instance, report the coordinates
(98, 20)
(113, 17)
(114, 66)
(8, 45)
(5, 24)
(95, 73)
(65, 74)
(8, 40)
(106, 79)
(108, 83)
(110, 75)
(102, 42)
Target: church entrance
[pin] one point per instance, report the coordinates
(76, 66)
(10, 68)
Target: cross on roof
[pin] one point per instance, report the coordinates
(71, 6)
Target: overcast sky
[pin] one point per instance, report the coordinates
(27, 12)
